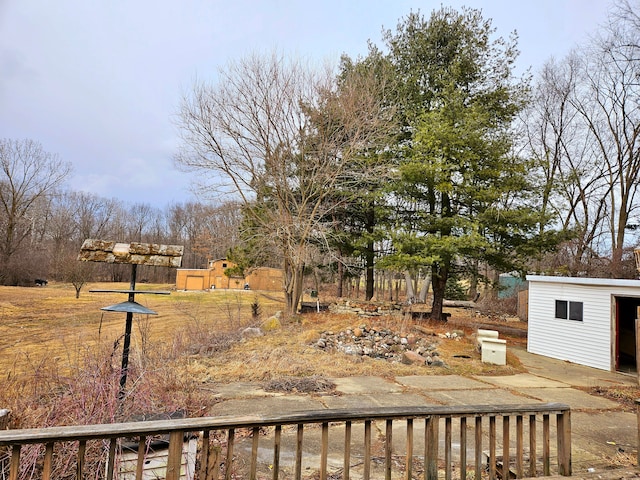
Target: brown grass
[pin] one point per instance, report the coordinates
(60, 356)
(50, 324)
(290, 352)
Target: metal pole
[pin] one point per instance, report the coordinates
(127, 335)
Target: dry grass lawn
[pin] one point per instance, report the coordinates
(49, 325)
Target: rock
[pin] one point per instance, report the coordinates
(352, 350)
(271, 323)
(412, 358)
(375, 343)
(251, 332)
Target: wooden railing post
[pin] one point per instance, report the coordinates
(492, 448)
(388, 449)
(564, 443)
(255, 440)
(505, 448)
(533, 447)
(367, 450)
(546, 450)
(174, 455)
(347, 450)
(324, 451)
(48, 458)
(111, 461)
(299, 437)
(409, 449)
(448, 436)
(431, 448)
(478, 448)
(638, 427)
(463, 448)
(519, 447)
(14, 469)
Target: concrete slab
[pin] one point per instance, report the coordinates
(522, 380)
(441, 382)
(495, 396)
(373, 401)
(576, 399)
(607, 436)
(571, 373)
(366, 385)
(272, 405)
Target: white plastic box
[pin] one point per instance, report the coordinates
(494, 350)
(482, 334)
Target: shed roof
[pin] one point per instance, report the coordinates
(592, 282)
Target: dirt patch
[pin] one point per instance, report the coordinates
(313, 384)
(625, 395)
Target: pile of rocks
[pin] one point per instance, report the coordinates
(365, 309)
(384, 344)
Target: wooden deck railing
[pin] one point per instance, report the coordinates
(362, 443)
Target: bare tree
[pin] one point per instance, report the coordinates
(276, 134)
(28, 175)
(571, 175)
(585, 133)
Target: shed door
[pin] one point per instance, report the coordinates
(195, 283)
(625, 343)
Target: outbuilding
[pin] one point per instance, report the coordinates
(589, 321)
(215, 277)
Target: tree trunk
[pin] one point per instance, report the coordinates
(369, 259)
(298, 284)
(495, 285)
(422, 296)
(339, 291)
(411, 296)
(370, 253)
(439, 275)
(473, 283)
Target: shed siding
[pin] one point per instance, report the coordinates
(588, 342)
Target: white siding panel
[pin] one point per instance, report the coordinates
(588, 342)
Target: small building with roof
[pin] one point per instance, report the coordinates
(214, 277)
(589, 321)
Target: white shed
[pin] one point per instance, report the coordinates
(589, 321)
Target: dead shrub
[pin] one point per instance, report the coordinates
(312, 384)
(498, 307)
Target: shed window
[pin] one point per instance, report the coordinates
(569, 310)
(224, 265)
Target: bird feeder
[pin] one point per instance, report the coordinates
(134, 254)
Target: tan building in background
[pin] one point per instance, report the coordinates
(261, 278)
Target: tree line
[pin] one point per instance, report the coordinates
(426, 158)
(42, 226)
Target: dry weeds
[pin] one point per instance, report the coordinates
(625, 395)
(60, 356)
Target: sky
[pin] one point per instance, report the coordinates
(99, 82)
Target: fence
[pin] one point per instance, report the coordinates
(453, 441)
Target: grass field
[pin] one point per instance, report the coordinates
(49, 324)
(60, 356)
